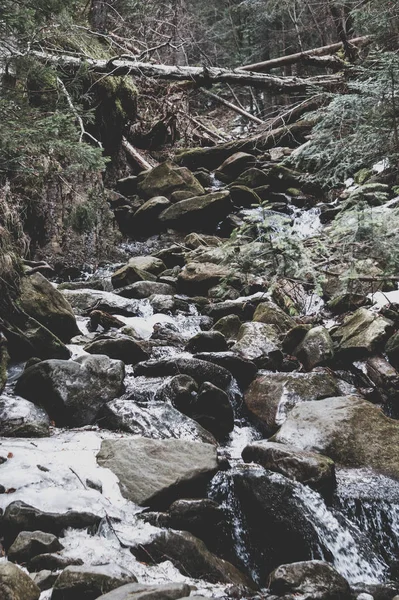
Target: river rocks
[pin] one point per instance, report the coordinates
(197, 516)
(207, 341)
(268, 312)
(195, 279)
(234, 166)
(51, 562)
(21, 418)
(361, 334)
(43, 302)
(15, 584)
(348, 429)
(148, 591)
(86, 301)
(121, 347)
(315, 349)
(87, 583)
(155, 472)
(180, 391)
(166, 179)
(27, 338)
(19, 516)
(347, 302)
(200, 212)
(157, 421)
(244, 370)
(259, 342)
(29, 544)
(145, 219)
(200, 240)
(244, 197)
(211, 409)
(72, 392)
(311, 580)
(229, 326)
(271, 397)
(129, 274)
(253, 178)
(199, 370)
(243, 308)
(145, 289)
(190, 556)
(309, 468)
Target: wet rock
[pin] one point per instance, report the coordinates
(156, 472)
(44, 579)
(172, 257)
(243, 308)
(121, 347)
(243, 196)
(166, 179)
(105, 320)
(190, 556)
(127, 185)
(199, 370)
(150, 264)
(235, 165)
(312, 580)
(253, 178)
(315, 349)
(167, 334)
(361, 334)
(200, 212)
(181, 390)
(72, 392)
(211, 409)
(259, 342)
(51, 562)
(148, 591)
(200, 517)
(15, 584)
(86, 301)
(386, 379)
(145, 289)
(29, 544)
(21, 418)
(309, 468)
(157, 421)
(207, 341)
(229, 326)
(129, 274)
(278, 524)
(268, 312)
(88, 583)
(242, 369)
(348, 302)
(294, 337)
(349, 430)
(27, 338)
(44, 303)
(197, 278)
(19, 516)
(145, 219)
(271, 397)
(392, 350)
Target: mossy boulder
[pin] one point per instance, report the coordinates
(361, 334)
(235, 165)
(145, 219)
(197, 278)
(315, 349)
(88, 582)
(15, 584)
(310, 580)
(243, 196)
(259, 342)
(200, 212)
(253, 178)
(166, 179)
(129, 274)
(268, 312)
(350, 430)
(43, 302)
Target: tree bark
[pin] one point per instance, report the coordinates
(200, 76)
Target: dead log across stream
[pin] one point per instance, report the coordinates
(200, 76)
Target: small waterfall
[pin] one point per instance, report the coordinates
(336, 538)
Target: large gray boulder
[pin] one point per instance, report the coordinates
(119, 347)
(361, 334)
(350, 430)
(190, 556)
(149, 591)
(31, 543)
(21, 418)
(43, 302)
(87, 583)
(309, 468)
(200, 212)
(259, 342)
(311, 580)
(156, 472)
(159, 420)
(268, 312)
(84, 301)
(167, 178)
(199, 370)
(72, 392)
(198, 278)
(315, 349)
(272, 396)
(15, 584)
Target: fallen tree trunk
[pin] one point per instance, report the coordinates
(200, 76)
(234, 107)
(297, 111)
(210, 158)
(291, 59)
